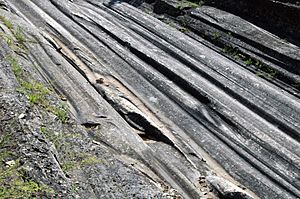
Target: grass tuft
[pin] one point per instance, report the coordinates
(14, 184)
(36, 92)
(185, 4)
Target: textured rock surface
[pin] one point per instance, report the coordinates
(145, 100)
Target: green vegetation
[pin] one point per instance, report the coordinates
(7, 23)
(90, 160)
(297, 83)
(17, 42)
(264, 70)
(78, 161)
(69, 166)
(71, 158)
(13, 181)
(19, 35)
(185, 4)
(216, 36)
(36, 92)
(8, 39)
(14, 184)
(270, 72)
(249, 62)
(232, 51)
(5, 140)
(61, 112)
(182, 28)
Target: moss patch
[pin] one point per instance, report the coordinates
(17, 42)
(185, 4)
(14, 184)
(36, 92)
(13, 181)
(263, 70)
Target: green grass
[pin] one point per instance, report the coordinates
(7, 23)
(297, 83)
(72, 159)
(36, 92)
(90, 160)
(264, 70)
(249, 62)
(8, 39)
(14, 184)
(19, 35)
(78, 162)
(216, 36)
(184, 4)
(60, 111)
(69, 166)
(17, 44)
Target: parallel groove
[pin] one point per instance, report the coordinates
(254, 125)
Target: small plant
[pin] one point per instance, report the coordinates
(84, 160)
(90, 161)
(16, 68)
(8, 39)
(184, 4)
(36, 92)
(7, 23)
(249, 62)
(61, 113)
(17, 44)
(43, 129)
(216, 36)
(232, 51)
(69, 166)
(297, 83)
(19, 35)
(272, 73)
(264, 70)
(14, 184)
(258, 64)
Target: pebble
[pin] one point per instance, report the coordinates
(10, 163)
(21, 116)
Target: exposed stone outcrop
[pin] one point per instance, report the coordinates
(145, 99)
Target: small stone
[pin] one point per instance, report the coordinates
(95, 142)
(242, 187)
(21, 116)
(10, 163)
(100, 80)
(63, 98)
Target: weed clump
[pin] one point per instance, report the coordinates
(264, 70)
(186, 4)
(13, 181)
(17, 40)
(36, 92)
(14, 184)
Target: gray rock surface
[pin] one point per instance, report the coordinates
(111, 99)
